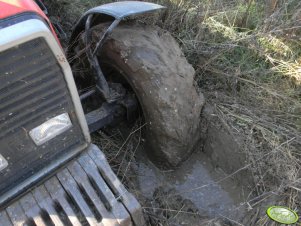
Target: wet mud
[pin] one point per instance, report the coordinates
(163, 81)
(203, 184)
(197, 181)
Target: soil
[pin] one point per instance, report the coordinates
(163, 81)
(203, 190)
(192, 186)
(199, 191)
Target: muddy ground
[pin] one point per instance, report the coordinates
(214, 186)
(211, 187)
(163, 82)
(198, 191)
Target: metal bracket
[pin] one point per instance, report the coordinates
(42, 6)
(118, 11)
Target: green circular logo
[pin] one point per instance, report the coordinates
(282, 215)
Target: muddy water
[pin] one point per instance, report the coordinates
(195, 180)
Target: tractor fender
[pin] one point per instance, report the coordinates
(116, 10)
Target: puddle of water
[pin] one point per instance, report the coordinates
(212, 198)
(149, 177)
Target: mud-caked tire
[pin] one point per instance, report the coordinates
(163, 81)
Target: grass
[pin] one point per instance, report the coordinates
(248, 64)
(252, 75)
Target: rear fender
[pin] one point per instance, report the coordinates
(116, 10)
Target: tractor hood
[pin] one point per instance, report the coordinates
(10, 8)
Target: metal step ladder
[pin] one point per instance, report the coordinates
(85, 192)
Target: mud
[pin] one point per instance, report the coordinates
(202, 190)
(197, 192)
(224, 149)
(195, 180)
(163, 81)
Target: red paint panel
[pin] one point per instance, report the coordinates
(12, 7)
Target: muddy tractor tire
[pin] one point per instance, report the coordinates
(153, 64)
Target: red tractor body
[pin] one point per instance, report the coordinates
(11, 8)
(50, 172)
(38, 95)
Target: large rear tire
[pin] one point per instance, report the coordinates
(163, 80)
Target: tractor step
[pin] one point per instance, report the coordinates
(103, 116)
(113, 113)
(85, 192)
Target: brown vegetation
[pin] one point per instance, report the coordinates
(247, 56)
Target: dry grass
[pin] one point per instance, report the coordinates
(120, 146)
(252, 75)
(247, 56)
(248, 65)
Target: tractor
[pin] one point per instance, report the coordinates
(113, 69)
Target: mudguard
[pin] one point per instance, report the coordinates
(116, 10)
(113, 12)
